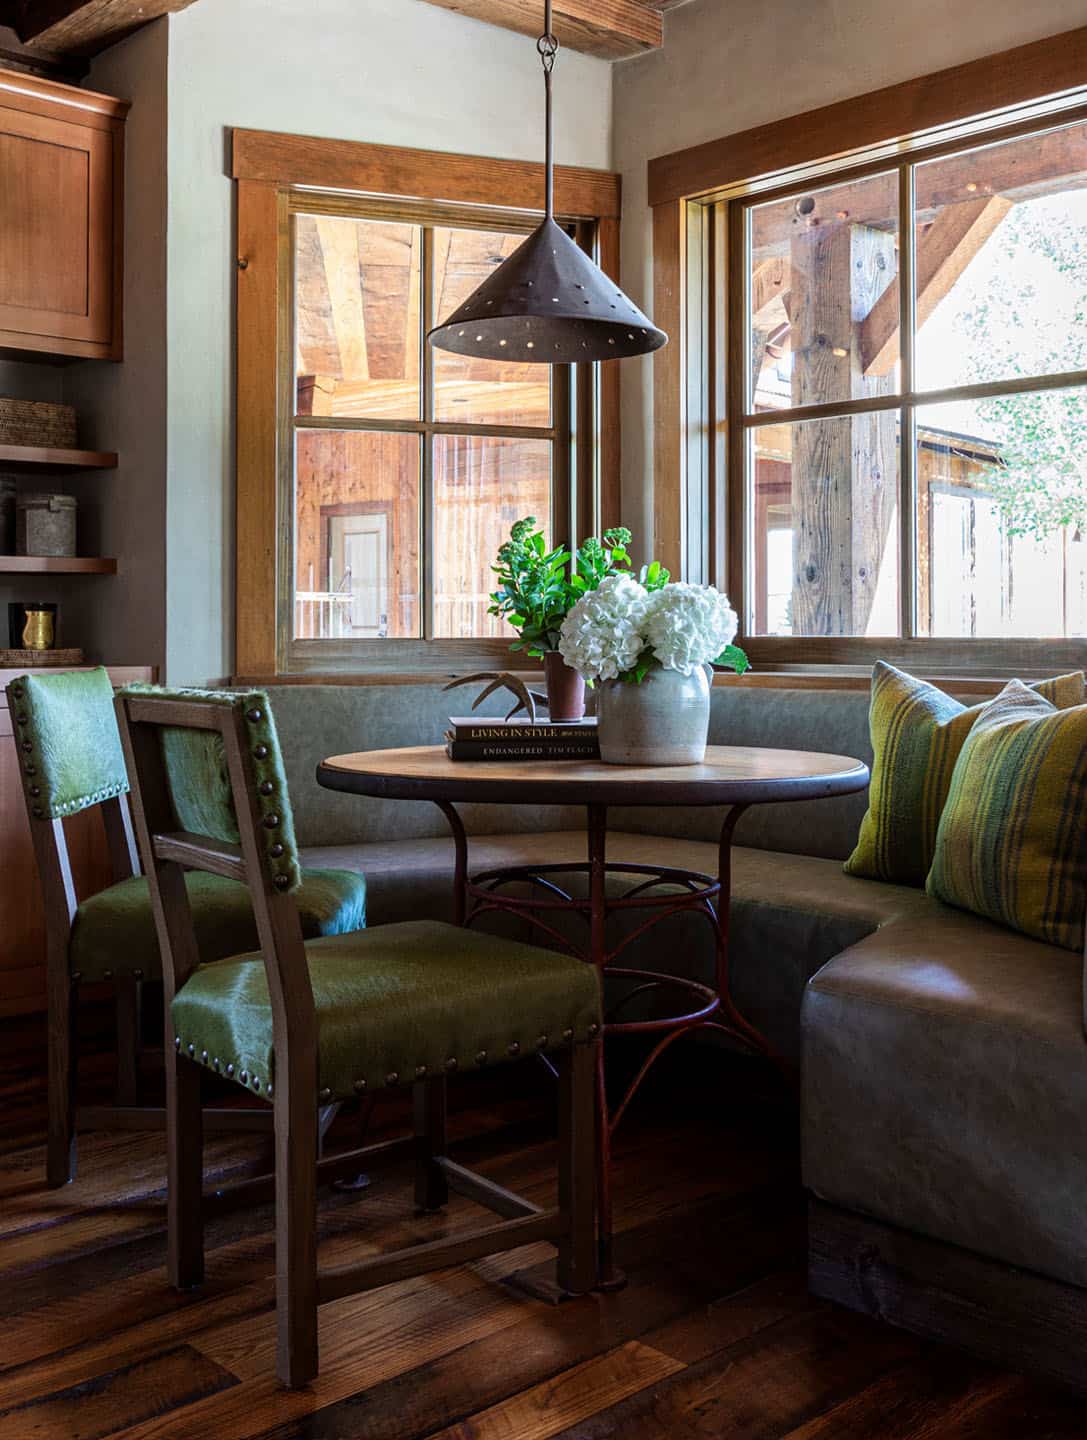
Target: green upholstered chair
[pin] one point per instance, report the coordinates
(302, 1023)
(71, 760)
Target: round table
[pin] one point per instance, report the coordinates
(731, 776)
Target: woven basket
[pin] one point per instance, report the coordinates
(39, 659)
(37, 422)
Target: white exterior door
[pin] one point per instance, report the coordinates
(359, 553)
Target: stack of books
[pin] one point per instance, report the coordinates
(471, 737)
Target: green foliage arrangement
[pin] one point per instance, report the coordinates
(536, 587)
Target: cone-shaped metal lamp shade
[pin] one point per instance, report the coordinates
(548, 303)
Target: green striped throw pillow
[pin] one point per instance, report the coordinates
(1011, 841)
(917, 733)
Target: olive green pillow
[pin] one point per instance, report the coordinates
(1011, 841)
(917, 734)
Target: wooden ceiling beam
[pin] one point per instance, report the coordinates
(609, 29)
(82, 27)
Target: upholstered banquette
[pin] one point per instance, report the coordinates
(944, 1066)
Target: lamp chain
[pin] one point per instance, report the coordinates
(548, 46)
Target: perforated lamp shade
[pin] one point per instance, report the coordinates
(548, 303)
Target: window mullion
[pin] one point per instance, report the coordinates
(907, 428)
(427, 440)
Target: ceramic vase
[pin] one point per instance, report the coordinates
(565, 688)
(662, 721)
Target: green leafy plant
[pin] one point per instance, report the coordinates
(537, 587)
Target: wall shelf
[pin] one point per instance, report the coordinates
(43, 457)
(56, 565)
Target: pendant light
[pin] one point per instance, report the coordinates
(548, 303)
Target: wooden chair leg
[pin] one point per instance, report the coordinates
(578, 1122)
(296, 1236)
(431, 1190)
(60, 1160)
(127, 1008)
(185, 1171)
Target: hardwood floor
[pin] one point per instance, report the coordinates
(714, 1335)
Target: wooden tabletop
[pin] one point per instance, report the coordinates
(730, 775)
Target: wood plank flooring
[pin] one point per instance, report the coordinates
(715, 1334)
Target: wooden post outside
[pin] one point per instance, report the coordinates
(844, 490)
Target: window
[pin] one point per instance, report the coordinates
(407, 465)
(914, 409)
(377, 477)
(871, 432)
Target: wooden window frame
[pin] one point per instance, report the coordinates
(699, 198)
(276, 174)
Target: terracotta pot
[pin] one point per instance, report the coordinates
(663, 721)
(565, 688)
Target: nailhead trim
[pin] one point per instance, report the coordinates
(261, 752)
(177, 1042)
(481, 1058)
(393, 1078)
(420, 1072)
(541, 1042)
(271, 822)
(567, 1035)
(204, 1056)
(243, 1077)
(192, 1049)
(514, 1047)
(230, 1071)
(359, 1087)
(451, 1063)
(266, 787)
(254, 716)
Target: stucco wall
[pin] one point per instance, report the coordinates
(727, 66)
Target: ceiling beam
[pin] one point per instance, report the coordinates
(943, 252)
(609, 29)
(81, 27)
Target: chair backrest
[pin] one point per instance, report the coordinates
(209, 793)
(70, 760)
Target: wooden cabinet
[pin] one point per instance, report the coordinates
(61, 231)
(22, 923)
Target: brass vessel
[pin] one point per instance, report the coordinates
(38, 633)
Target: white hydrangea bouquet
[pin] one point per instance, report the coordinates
(626, 628)
(650, 643)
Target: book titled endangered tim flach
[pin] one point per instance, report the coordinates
(471, 738)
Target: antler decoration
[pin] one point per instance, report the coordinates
(527, 699)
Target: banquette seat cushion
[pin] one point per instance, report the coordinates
(945, 1085)
(790, 913)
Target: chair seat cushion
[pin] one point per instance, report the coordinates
(945, 1087)
(394, 1002)
(114, 931)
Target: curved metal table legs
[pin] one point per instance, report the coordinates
(708, 1007)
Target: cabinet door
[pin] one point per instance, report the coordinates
(56, 235)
